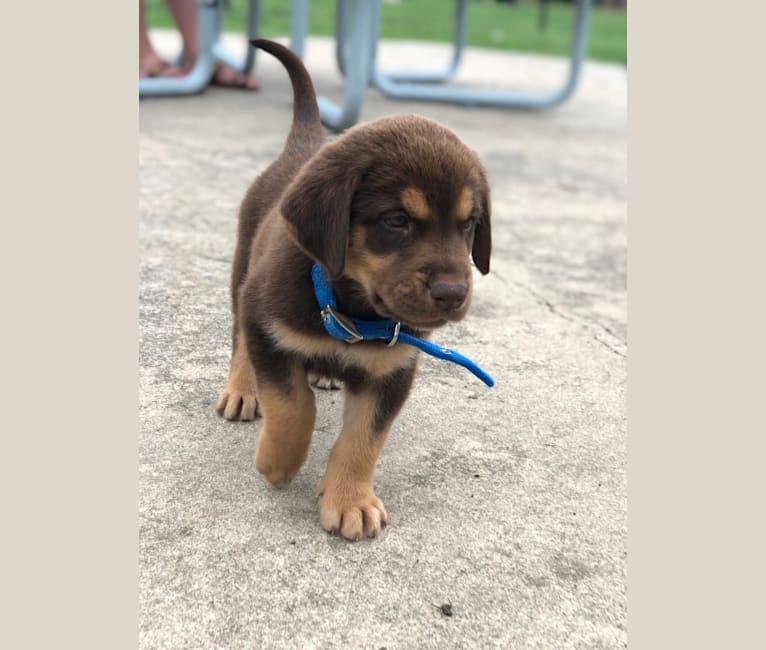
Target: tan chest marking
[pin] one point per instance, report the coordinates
(377, 361)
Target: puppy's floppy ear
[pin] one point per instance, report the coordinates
(482, 238)
(317, 206)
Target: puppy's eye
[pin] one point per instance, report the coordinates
(469, 223)
(396, 221)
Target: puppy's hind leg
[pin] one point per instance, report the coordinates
(323, 382)
(238, 400)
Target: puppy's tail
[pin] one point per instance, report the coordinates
(306, 130)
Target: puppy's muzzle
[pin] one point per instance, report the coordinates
(447, 294)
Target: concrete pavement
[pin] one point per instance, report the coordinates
(510, 502)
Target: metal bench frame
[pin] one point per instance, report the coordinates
(357, 34)
(420, 84)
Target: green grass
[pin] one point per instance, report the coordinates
(490, 24)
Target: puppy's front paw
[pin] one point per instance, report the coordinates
(351, 509)
(236, 403)
(279, 458)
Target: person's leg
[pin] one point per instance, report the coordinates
(185, 14)
(147, 57)
(149, 62)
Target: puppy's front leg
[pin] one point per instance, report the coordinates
(347, 501)
(287, 404)
(238, 400)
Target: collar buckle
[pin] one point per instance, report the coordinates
(331, 317)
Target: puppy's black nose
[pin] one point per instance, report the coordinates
(448, 296)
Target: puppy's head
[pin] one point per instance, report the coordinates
(399, 206)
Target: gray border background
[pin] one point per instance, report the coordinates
(70, 325)
(695, 175)
(70, 328)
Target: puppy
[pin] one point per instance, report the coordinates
(393, 211)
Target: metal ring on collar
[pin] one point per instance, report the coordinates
(395, 337)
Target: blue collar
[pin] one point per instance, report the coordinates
(353, 330)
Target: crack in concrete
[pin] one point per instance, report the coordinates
(581, 322)
(606, 345)
(610, 332)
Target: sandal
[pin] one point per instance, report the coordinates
(228, 77)
(161, 68)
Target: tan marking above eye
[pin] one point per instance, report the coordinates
(415, 202)
(464, 204)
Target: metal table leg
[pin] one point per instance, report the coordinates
(422, 76)
(361, 21)
(342, 43)
(491, 97)
(224, 56)
(299, 26)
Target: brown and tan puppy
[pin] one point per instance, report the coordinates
(393, 210)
